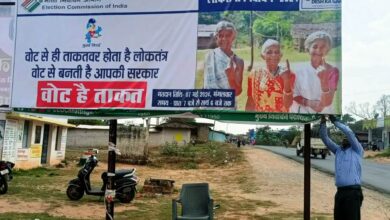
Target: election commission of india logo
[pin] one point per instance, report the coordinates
(31, 5)
(94, 31)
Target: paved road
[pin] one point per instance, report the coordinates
(374, 175)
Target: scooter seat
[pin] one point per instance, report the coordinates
(121, 173)
(118, 173)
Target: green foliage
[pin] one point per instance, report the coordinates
(356, 126)
(189, 156)
(37, 172)
(273, 25)
(87, 122)
(190, 165)
(347, 118)
(170, 149)
(266, 136)
(290, 134)
(385, 153)
(315, 17)
(40, 216)
(179, 120)
(241, 20)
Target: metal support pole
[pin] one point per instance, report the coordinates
(111, 169)
(306, 153)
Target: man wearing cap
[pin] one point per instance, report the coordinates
(348, 171)
(223, 68)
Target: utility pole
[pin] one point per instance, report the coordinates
(306, 155)
(110, 191)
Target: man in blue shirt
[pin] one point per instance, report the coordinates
(348, 171)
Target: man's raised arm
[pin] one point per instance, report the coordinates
(353, 141)
(332, 146)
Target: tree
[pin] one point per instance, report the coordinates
(291, 133)
(88, 122)
(383, 105)
(240, 19)
(266, 136)
(347, 118)
(357, 126)
(362, 110)
(272, 25)
(182, 120)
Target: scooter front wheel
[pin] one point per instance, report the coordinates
(3, 185)
(74, 192)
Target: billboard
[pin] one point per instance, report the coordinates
(7, 21)
(205, 56)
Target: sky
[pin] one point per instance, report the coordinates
(365, 54)
(366, 47)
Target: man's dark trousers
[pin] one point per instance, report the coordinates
(348, 201)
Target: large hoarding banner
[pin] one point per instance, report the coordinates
(236, 56)
(7, 23)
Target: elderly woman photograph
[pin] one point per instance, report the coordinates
(223, 68)
(316, 81)
(270, 89)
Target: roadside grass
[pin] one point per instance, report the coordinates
(74, 154)
(32, 216)
(37, 184)
(190, 157)
(149, 208)
(385, 153)
(247, 184)
(288, 215)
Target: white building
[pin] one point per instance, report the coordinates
(31, 141)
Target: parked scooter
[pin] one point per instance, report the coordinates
(125, 182)
(5, 175)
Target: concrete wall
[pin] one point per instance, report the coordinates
(203, 134)
(178, 135)
(92, 138)
(216, 136)
(155, 139)
(131, 141)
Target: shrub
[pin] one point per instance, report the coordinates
(170, 149)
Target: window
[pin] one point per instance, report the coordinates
(26, 129)
(38, 131)
(58, 138)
